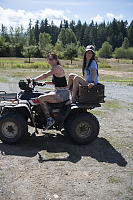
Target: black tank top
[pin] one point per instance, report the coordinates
(59, 81)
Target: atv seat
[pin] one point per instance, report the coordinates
(58, 105)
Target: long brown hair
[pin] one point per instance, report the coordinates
(55, 57)
(90, 61)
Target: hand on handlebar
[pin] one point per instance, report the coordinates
(43, 83)
(29, 79)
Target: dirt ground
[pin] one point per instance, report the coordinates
(50, 166)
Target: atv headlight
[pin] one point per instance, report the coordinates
(13, 101)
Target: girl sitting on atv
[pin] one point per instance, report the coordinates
(61, 92)
(89, 70)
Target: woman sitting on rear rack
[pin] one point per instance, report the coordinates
(89, 70)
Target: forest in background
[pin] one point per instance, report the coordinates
(112, 39)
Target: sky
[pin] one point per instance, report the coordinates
(19, 12)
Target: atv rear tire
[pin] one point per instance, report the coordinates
(83, 127)
(12, 128)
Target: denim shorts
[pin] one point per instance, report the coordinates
(64, 94)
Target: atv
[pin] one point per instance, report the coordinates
(23, 109)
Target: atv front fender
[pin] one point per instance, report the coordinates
(22, 108)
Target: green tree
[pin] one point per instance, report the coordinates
(59, 50)
(125, 43)
(81, 51)
(78, 28)
(86, 37)
(42, 26)
(130, 34)
(105, 51)
(45, 45)
(67, 36)
(72, 25)
(37, 31)
(3, 47)
(44, 40)
(48, 49)
(101, 34)
(31, 40)
(29, 51)
(93, 34)
(71, 51)
(54, 32)
(65, 25)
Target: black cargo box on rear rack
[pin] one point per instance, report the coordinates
(94, 95)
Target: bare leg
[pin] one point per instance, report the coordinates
(45, 109)
(77, 80)
(70, 80)
(51, 98)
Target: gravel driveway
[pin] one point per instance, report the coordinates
(50, 166)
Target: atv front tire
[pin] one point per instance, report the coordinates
(12, 128)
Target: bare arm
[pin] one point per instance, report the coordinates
(94, 71)
(45, 75)
(49, 83)
(90, 85)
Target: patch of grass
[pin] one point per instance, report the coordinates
(130, 189)
(103, 65)
(15, 65)
(97, 112)
(114, 179)
(70, 66)
(125, 61)
(117, 79)
(112, 105)
(130, 84)
(4, 80)
(114, 60)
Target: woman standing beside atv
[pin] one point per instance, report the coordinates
(89, 70)
(59, 81)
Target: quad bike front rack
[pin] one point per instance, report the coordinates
(4, 96)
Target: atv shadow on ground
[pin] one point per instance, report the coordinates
(100, 149)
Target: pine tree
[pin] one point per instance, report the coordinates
(130, 34)
(72, 25)
(42, 26)
(37, 31)
(78, 30)
(46, 26)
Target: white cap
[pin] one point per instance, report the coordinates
(90, 48)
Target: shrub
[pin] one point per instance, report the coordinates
(120, 53)
(130, 53)
(105, 51)
(124, 53)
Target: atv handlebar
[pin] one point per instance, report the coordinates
(25, 85)
(35, 83)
